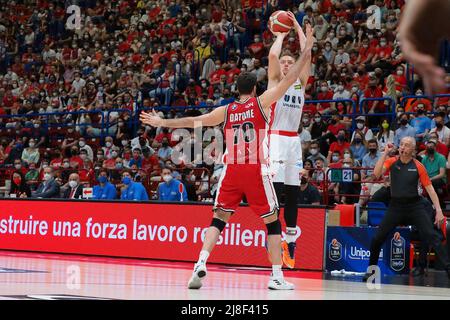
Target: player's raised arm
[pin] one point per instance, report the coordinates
(275, 93)
(300, 33)
(216, 117)
(306, 70)
(274, 70)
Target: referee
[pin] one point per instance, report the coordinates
(406, 207)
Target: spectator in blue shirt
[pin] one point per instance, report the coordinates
(171, 189)
(421, 123)
(137, 158)
(132, 190)
(105, 190)
(404, 130)
(358, 147)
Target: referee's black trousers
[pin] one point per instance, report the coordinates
(403, 213)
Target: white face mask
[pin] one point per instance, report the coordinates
(346, 155)
(360, 125)
(31, 144)
(193, 178)
(73, 183)
(18, 166)
(108, 144)
(346, 165)
(47, 176)
(124, 143)
(114, 153)
(82, 144)
(314, 151)
(167, 178)
(335, 158)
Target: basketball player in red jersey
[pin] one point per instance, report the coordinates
(246, 168)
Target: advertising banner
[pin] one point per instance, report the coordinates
(150, 230)
(348, 248)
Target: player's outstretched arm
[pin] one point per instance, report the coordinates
(274, 71)
(275, 93)
(300, 33)
(216, 117)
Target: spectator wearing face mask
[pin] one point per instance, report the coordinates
(107, 149)
(421, 123)
(435, 164)
(308, 194)
(19, 187)
(132, 190)
(404, 130)
(104, 190)
(19, 166)
(315, 154)
(362, 128)
(358, 147)
(441, 148)
(111, 163)
(188, 180)
(318, 126)
(31, 154)
(49, 188)
(84, 146)
(324, 94)
(385, 135)
(171, 189)
(441, 131)
(338, 145)
(73, 189)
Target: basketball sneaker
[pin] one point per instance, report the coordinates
(288, 254)
(279, 284)
(195, 282)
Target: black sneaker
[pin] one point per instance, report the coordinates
(418, 271)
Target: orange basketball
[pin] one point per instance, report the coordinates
(279, 21)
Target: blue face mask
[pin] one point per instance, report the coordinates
(102, 179)
(126, 180)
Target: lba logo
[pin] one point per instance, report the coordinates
(335, 250)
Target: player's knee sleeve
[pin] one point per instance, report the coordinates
(219, 224)
(274, 228)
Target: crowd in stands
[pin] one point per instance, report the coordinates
(69, 98)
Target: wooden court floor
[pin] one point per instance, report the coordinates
(51, 276)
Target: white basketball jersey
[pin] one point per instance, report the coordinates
(287, 112)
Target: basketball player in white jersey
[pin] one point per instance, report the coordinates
(285, 149)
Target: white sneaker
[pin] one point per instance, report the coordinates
(280, 284)
(195, 282)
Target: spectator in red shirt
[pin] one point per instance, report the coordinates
(218, 42)
(382, 52)
(257, 48)
(335, 125)
(75, 161)
(234, 70)
(400, 79)
(340, 145)
(374, 91)
(214, 78)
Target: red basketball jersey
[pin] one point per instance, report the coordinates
(245, 129)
